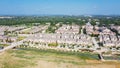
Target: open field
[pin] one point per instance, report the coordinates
(35, 58)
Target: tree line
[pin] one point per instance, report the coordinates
(79, 20)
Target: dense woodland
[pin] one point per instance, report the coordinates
(80, 20)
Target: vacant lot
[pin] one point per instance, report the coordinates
(35, 58)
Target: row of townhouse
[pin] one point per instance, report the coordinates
(10, 29)
(7, 39)
(64, 41)
(68, 29)
(109, 40)
(117, 28)
(90, 29)
(34, 29)
(62, 38)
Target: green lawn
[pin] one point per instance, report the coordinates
(28, 57)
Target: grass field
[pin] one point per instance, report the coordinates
(35, 58)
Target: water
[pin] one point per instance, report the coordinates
(111, 57)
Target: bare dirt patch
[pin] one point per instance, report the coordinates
(46, 64)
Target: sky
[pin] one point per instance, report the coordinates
(60, 7)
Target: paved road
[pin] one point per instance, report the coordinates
(95, 43)
(12, 45)
(82, 31)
